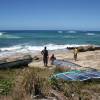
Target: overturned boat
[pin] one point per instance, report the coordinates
(65, 64)
(15, 61)
(78, 75)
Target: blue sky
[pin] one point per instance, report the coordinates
(50, 14)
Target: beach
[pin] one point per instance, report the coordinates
(50, 50)
(21, 55)
(88, 59)
(24, 76)
(85, 59)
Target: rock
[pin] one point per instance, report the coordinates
(85, 48)
(97, 48)
(70, 48)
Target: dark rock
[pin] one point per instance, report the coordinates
(70, 48)
(97, 48)
(85, 48)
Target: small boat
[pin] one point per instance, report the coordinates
(16, 63)
(65, 64)
(78, 75)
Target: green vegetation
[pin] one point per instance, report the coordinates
(5, 86)
(32, 81)
(82, 90)
(7, 78)
(21, 84)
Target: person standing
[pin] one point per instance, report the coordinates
(45, 56)
(75, 53)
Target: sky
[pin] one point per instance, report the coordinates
(49, 14)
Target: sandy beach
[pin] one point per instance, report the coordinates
(89, 59)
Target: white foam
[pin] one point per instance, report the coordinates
(12, 48)
(1, 34)
(60, 31)
(90, 33)
(69, 36)
(71, 31)
(29, 48)
(7, 36)
(12, 36)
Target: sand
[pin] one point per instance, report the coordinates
(89, 59)
(85, 59)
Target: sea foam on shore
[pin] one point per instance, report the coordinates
(38, 48)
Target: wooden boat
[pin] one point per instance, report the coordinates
(16, 63)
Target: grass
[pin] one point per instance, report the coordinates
(22, 84)
(7, 78)
(81, 90)
(31, 81)
(5, 86)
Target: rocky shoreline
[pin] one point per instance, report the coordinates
(85, 48)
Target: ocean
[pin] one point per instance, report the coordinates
(33, 40)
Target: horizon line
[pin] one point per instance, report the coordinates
(46, 30)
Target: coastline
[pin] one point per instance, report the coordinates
(88, 58)
(25, 77)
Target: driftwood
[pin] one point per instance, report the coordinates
(18, 62)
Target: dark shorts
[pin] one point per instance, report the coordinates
(45, 60)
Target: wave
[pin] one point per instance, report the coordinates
(69, 37)
(72, 32)
(12, 37)
(27, 48)
(90, 33)
(1, 33)
(60, 31)
(8, 36)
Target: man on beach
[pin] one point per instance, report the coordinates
(45, 56)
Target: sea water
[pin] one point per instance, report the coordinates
(35, 40)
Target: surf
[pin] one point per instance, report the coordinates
(1, 33)
(4, 35)
(26, 48)
(90, 33)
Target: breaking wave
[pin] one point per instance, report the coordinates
(27, 48)
(60, 31)
(72, 32)
(90, 33)
(69, 37)
(3, 35)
